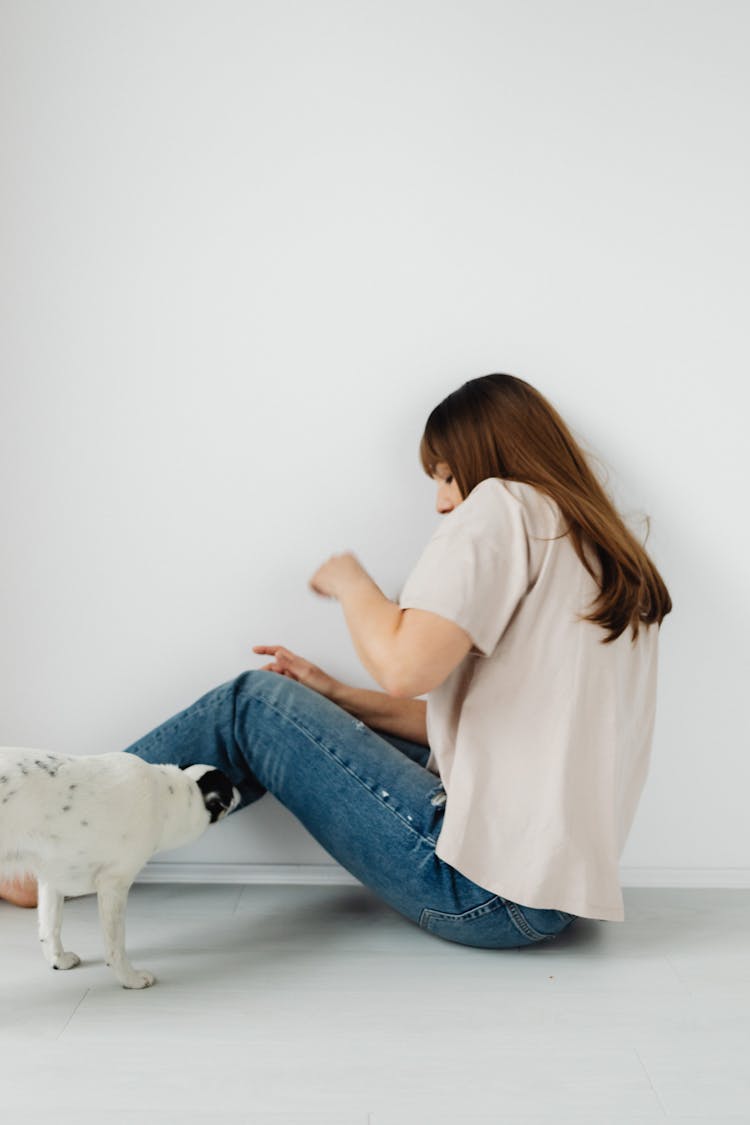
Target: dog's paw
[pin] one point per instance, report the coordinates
(66, 961)
(142, 979)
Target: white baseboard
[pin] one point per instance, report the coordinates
(245, 873)
(333, 873)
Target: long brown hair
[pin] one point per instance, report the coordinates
(501, 426)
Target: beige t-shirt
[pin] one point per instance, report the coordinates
(542, 735)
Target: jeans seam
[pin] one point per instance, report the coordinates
(522, 924)
(309, 734)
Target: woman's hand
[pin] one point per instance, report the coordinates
(331, 578)
(287, 663)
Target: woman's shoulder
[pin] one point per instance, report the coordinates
(495, 492)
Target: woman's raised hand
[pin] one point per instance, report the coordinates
(287, 663)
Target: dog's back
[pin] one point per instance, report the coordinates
(64, 817)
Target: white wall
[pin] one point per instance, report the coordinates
(246, 247)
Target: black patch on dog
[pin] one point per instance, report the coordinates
(217, 792)
(46, 767)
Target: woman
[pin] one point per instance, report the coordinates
(21, 891)
(495, 812)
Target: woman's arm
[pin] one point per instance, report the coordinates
(406, 718)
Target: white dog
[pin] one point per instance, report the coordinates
(83, 824)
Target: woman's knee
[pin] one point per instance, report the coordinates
(261, 682)
(253, 679)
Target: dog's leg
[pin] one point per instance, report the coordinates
(112, 896)
(49, 915)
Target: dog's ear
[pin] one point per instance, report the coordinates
(212, 801)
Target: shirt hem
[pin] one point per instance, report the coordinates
(515, 892)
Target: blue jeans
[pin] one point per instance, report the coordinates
(366, 797)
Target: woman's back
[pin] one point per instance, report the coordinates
(542, 735)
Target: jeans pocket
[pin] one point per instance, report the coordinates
(480, 926)
(535, 923)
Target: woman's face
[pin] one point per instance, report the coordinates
(448, 494)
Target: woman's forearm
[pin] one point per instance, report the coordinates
(406, 718)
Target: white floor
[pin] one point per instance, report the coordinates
(294, 1005)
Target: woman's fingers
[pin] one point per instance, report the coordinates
(286, 664)
(280, 655)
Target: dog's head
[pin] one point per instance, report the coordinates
(219, 795)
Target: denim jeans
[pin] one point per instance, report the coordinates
(366, 797)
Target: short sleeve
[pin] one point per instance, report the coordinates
(474, 570)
